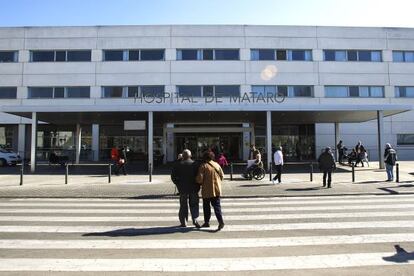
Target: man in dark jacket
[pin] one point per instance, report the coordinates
(183, 175)
(327, 165)
(390, 158)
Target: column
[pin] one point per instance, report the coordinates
(336, 141)
(150, 139)
(21, 136)
(380, 126)
(95, 142)
(33, 143)
(78, 143)
(269, 138)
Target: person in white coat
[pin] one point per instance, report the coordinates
(278, 159)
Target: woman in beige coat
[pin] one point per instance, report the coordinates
(209, 177)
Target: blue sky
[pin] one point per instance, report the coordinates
(395, 13)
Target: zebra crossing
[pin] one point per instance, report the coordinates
(274, 235)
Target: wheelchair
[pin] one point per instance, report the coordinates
(256, 171)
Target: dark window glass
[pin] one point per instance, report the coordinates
(113, 92)
(8, 92)
(78, 92)
(133, 55)
(38, 56)
(227, 54)
(298, 55)
(329, 55)
(208, 54)
(208, 91)
(8, 56)
(79, 55)
(133, 91)
(352, 56)
(353, 91)
(152, 91)
(282, 91)
(59, 92)
(281, 54)
(152, 54)
(405, 139)
(266, 54)
(60, 55)
(189, 91)
(302, 91)
(114, 55)
(364, 55)
(402, 91)
(40, 92)
(227, 90)
(189, 54)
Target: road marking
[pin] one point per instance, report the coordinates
(154, 229)
(204, 264)
(227, 217)
(205, 243)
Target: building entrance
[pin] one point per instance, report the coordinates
(230, 144)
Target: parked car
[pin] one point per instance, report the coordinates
(9, 158)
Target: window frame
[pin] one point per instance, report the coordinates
(15, 54)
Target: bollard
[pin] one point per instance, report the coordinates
(353, 172)
(397, 172)
(311, 172)
(109, 172)
(150, 172)
(21, 174)
(66, 173)
(231, 171)
(270, 171)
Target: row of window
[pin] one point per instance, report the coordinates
(293, 91)
(206, 54)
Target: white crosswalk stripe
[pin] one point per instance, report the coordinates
(261, 234)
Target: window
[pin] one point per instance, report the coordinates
(59, 92)
(40, 92)
(8, 56)
(152, 91)
(77, 92)
(78, 55)
(42, 56)
(354, 91)
(133, 55)
(208, 91)
(189, 90)
(152, 54)
(227, 90)
(112, 92)
(61, 55)
(262, 54)
(8, 92)
(113, 55)
(188, 54)
(281, 55)
(271, 54)
(405, 139)
(133, 92)
(208, 55)
(352, 55)
(403, 56)
(287, 91)
(302, 91)
(404, 91)
(226, 54)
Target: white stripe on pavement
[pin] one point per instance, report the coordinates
(227, 210)
(227, 217)
(224, 203)
(154, 229)
(202, 264)
(205, 243)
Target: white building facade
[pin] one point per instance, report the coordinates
(159, 89)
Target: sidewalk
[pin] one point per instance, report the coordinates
(368, 180)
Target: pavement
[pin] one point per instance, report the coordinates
(91, 181)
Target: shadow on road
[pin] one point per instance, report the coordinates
(401, 256)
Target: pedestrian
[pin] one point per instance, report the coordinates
(122, 160)
(183, 176)
(360, 153)
(209, 176)
(253, 152)
(278, 160)
(340, 149)
(390, 158)
(222, 161)
(327, 165)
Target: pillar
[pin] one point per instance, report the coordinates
(78, 143)
(95, 142)
(380, 126)
(150, 139)
(21, 133)
(33, 143)
(269, 138)
(336, 141)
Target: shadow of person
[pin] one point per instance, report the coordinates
(131, 232)
(401, 255)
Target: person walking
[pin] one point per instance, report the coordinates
(390, 158)
(340, 149)
(183, 176)
(122, 160)
(209, 176)
(327, 164)
(278, 160)
(360, 151)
